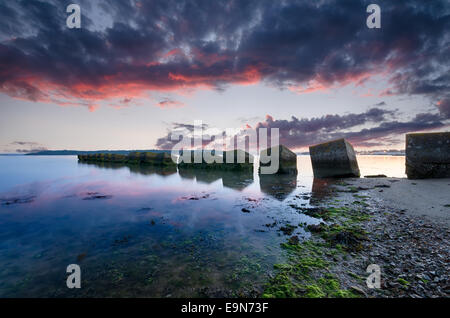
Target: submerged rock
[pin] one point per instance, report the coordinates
(96, 196)
(334, 159)
(376, 176)
(428, 155)
(287, 160)
(317, 228)
(17, 200)
(150, 158)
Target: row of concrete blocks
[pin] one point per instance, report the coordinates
(150, 158)
(427, 156)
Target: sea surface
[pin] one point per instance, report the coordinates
(148, 232)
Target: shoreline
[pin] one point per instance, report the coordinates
(360, 227)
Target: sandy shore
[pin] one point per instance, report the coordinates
(428, 198)
(408, 235)
(399, 225)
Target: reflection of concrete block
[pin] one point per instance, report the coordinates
(278, 186)
(428, 155)
(334, 159)
(287, 159)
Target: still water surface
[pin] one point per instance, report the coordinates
(147, 232)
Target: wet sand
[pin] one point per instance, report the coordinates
(429, 198)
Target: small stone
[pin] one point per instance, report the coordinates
(293, 240)
(81, 257)
(358, 290)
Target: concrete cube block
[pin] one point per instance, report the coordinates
(428, 155)
(287, 159)
(334, 159)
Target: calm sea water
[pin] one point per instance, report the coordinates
(147, 232)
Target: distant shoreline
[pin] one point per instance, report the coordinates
(125, 152)
(79, 152)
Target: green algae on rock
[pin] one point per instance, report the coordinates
(134, 158)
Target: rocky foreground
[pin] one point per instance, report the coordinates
(409, 240)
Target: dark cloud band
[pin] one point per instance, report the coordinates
(170, 45)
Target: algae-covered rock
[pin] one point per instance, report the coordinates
(192, 159)
(237, 160)
(237, 156)
(334, 159)
(287, 160)
(134, 158)
(428, 155)
(118, 158)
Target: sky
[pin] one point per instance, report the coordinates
(135, 70)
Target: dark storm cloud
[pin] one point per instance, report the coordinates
(31, 150)
(167, 142)
(168, 45)
(373, 127)
(304, 132)
(444, 107)
(25, 143)
(30, 146)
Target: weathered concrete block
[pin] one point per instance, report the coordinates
(428, 155)
(156, 159)
(237, 160)
(334, 159)
(137, 158)
(287, 159)
(229, 161)
(118, 158)
(237, 156)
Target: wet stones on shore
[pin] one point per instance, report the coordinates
(411, 252)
